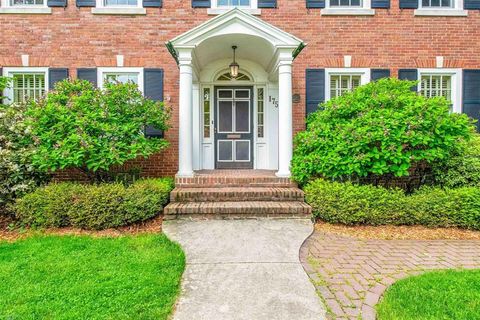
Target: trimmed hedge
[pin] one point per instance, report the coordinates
(96, 207)
(351, 204)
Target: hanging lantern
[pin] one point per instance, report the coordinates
(234, 67)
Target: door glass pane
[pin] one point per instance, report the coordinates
(225, 93)
(225, 150)
(242, 94)
(242, 116)
(225, 121)
(242, 152)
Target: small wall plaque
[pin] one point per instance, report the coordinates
(296, 98)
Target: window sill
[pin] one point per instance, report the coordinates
(120, 11)
(441, 12)
(26, 10)
(217, 11)
(347, 12)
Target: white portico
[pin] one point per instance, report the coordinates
(242, 122)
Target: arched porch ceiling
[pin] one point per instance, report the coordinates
(256, 39)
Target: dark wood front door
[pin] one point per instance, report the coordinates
(234, 128)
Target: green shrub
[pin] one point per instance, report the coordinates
(96, 207)
(17, 174)
(379, 128)
(462, 169)
(351, 204)
(93, 129)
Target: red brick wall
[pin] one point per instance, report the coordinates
(392, 39)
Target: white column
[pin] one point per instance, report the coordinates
(185, 124)
(285, 126)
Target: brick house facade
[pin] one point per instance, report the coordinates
(345, 47)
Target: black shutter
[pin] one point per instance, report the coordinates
(312, 4)
(380, 4)
(376, 74)
(471, 94)
(152, 3)
(201, 4)
(89, 74)
(1, 93)
(471, 4)
(408, 74)
(86, 3)
(153, 89)
(315, 89)
(408, 4)
(57, 3)
(267, 3)
(55, 75)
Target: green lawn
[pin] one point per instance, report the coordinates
(81, 277)
(452, 295)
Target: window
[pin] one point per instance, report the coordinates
(120, 3)
(121, 7)
(120, 74)
(260, 113)
(339, 84)
(233, 3)
(122, 77)
(228, 77)
(28, 86)
(346, 3)
(206, 113)
(437, 3)
(15, 3)
(445, 83)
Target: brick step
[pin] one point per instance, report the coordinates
(203, 181)
(183, 194)
(232, 208)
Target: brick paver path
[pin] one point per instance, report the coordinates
(351, 274)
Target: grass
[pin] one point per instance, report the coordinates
(83, 277)
(435, 295)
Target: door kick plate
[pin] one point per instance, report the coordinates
(233, 136)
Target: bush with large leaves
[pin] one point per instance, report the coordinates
(17, 174)
(378, 129)
(79, 126)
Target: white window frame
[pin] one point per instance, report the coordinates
(6, 7)
(364, 74)
(138, 9)
(10, 71)
(456, 75)
(215, 9)
(455, 11)
(101, 73)
(364, 10)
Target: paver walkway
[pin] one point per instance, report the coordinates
(351, 274)
(244, 269)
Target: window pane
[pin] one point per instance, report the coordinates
(225, 150)
(225, 119)
(355, 3)
(242, 116)
(446, 3)
(206, 113)
(425, 3)
(334, 3)
(344, 2)
(242, 152)
(435, 3)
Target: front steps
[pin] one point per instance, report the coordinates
(236, 194)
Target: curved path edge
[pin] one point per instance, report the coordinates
(351, 274)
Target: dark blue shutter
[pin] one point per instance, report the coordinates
(376, 74)
(408, 74)
(89, 74)
(471, 94)
(201, 4)
(315, 89)
(380, 4)
(86, 3)
(57, 3)
(471, 4)
(312, 4)
(267, 3)
(153, 89)
(408, 4)
(55, 75)
(152, 3)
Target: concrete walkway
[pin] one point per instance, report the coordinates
(244, 269)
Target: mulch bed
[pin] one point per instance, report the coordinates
(150, 226)
(398, 232)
